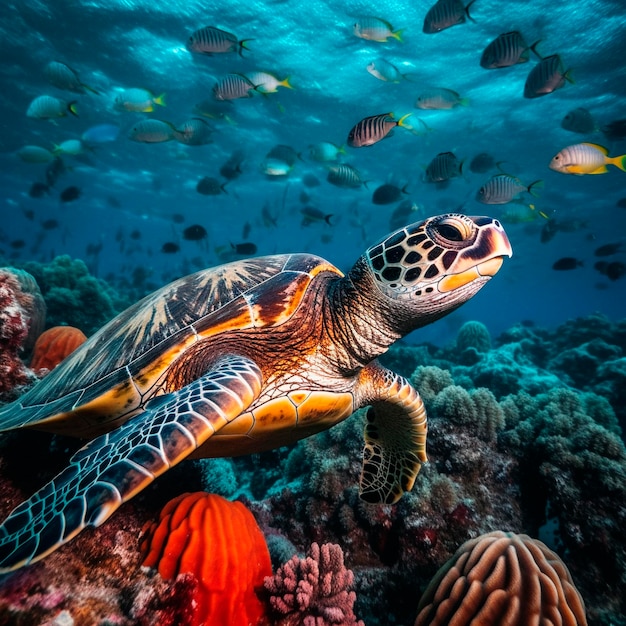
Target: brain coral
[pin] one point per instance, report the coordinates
(502, 579)
(220, 543)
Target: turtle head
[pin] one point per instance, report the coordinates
(428, 269)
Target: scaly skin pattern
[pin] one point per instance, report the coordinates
(246, 357)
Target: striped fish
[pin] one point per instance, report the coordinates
(446, 13)
(547, 76)
(443, 167)
(346, 176)
(371, 130)
(49, 107)
(502, 188)
(64, 77)
(586, 158)
(211, 40)
(233, 86)
(505, 50)
(153, 131)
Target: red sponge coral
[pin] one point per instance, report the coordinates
(54, 344)
(220, 543)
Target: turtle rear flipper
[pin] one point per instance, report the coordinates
(112, 468)
(395, 440)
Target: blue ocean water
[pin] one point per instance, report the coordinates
(131, 191)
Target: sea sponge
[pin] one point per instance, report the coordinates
(502, 579)
(220, 543)
(473, 336)
(54, 345)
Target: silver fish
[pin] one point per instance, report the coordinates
(505, 50)
(446, 13)
(153, 131)
(440, 98)
(375, 29)
(547, 76)
(64, 77)
(211, 40)
(502, 188)
(194, 132)
(49, 107)
(233, 86)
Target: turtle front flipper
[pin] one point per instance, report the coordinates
(114, 467)
(395, 436)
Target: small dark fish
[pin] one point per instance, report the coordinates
(29, 214)
(547, 76)
(505, 50)
(579, 121)
(170, 247)
(211, 40)
(387, 194)
(178, 218)
(195, 232)
(245, 230)
(65, 77)
(402, 214)
(482, 163)
(443, 167)
(345, 176)
(245, 248)
(613, 270)
(549, 230)
(194, 132)
(608, 249)
(232, 168)
(38, 190)
(69, 194)
(446, 13)
(567, 263)
(311, 214)
(373, 129)
(615, 131)
(55, 169)
(310, 180)
(135, 234)
(208, 186)
(50, 224)
(17, 244)
(621, 203)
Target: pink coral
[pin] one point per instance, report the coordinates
(14, 332)
(313, 591)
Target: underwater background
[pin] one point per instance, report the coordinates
(525, 385)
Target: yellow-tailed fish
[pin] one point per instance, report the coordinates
(64, 77)
(49, 108)
(265, 82)
(375, 29)
(439, 98)
(586, 158)
(138, 100)
(371, 130)
(153, 131)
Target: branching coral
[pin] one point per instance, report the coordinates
(314, 591)
(502, 578)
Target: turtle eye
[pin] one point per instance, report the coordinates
(449, 232)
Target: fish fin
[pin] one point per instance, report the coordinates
(71, 107)
(568, 76)
(533, 48)
(601, 170)
(619, 162)
(464, 102)
(467, 8)
(404, 191)
(398, 35)
(286, 83)
(401, 120)
(160, 100)
(531, 188)
(223, 187)
(242, 46)
(327, 219)
(342, 149)
(597, 146)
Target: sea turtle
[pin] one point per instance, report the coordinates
(244, 357)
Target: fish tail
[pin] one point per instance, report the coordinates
(71, 107)
(160, 100)
(342, 149)
(401, 120)
(286, 83)
(223, 185)
(397, 34)
(404, 190)
(531, 188)
(243, 46)
(467, 8)
(568, 76)
(90, 89)
(533, 49)
(327, 218)
(464, 102)
(619, 162)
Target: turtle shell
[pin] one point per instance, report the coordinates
(112, 375)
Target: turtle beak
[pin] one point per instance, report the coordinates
(494, 248)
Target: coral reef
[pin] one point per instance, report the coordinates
(16, 320)
(54, 345)
(221, 545)
(502, 578)
(313, 591)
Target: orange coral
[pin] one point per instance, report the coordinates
(502, 579)
(54, 344)
(221, 544)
